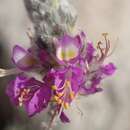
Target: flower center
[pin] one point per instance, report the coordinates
(63, 95)
(23, 96)
(67, 53)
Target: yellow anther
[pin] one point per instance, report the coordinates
(66, 105)
(60, 94)
(56, 98)
(68, 83)
(54, 87)
(59, 101)
(71, 95)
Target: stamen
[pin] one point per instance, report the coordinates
(104, 51)
(23, 96)
(113, 49)
(59, 101)
(54, 87)
(68, 83)
(60, 94)
(87, 66)
(78, 108)
(100, 49)
(66, 94)
(72, 95)
(56, 98)
(61, 88)
(64, 86)
(66, 105)
(20, 104)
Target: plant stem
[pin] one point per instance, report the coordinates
(52, 120)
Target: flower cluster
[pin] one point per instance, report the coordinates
(54, 78)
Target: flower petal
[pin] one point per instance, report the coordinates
(64, 118)
(108, 69)
(14, 87)
(90, 52)
(87, 91)
(22, 58)
(68, 48)
(31, 106)
(31, 93)
(39, 101)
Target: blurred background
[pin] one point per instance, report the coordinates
(109, 110)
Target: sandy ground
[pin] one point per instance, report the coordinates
(109, 110)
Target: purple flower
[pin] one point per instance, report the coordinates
(93, 86)
(23, 59)
(65, 83)
(75, 68)
(95, 78)
(108, 69)
(68, 48)
(30, 93)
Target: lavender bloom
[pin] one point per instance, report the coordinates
(75, 69)
(28, 92)
(66, 84)
(68, 48)
(58, 67)
(108, 69)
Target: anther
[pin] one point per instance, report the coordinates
(54, 87)
(59, 101)
(67, 84)
(71, 95)
(66, 105)
(60, 94)
(56, 98)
